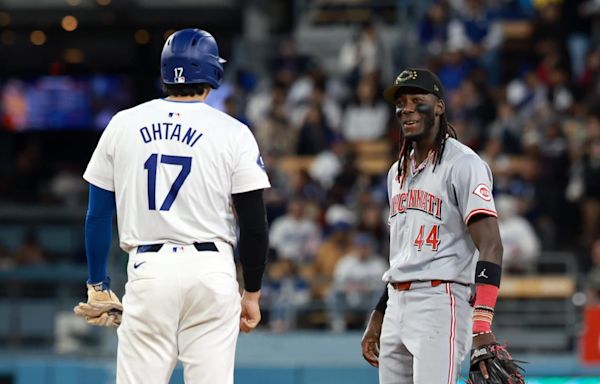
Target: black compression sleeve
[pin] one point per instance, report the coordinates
(382, 304)
(254, 237)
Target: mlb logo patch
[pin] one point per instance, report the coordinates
(174, 114)
(177, 249)
(260, 162)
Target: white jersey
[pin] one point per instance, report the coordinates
(173, 167)
(429, 238)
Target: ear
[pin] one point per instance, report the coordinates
(440, 107)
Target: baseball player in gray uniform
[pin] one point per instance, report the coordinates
(443, 238)
(175, 169)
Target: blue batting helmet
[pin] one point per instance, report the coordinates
(191, 56)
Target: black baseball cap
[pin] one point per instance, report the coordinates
(415, 78)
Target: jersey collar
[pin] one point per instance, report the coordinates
(182, 101)
(414, 169)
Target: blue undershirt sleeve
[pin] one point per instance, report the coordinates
(98, 232)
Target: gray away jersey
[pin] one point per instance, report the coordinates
(429, 238)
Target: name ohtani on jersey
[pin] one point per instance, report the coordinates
(418, 200)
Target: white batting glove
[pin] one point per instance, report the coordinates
(103, 307)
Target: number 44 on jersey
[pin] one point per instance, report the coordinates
(432, 239)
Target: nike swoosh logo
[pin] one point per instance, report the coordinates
(136, 265)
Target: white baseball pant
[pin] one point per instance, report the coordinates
(183, 304)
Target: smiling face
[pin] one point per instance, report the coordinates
(418, 114)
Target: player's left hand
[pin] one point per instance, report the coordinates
(480, 341)
(492, 363)
(103, 307)
(250, 315)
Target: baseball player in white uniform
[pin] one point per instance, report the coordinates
(175, 169)
(443, 229)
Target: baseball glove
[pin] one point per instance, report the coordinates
(103, 307)
(502, 369)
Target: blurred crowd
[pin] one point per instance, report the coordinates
(533, 116)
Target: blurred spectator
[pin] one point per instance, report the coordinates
(478, 33)
(232, 109)
(526, 93)
(454, 69)
(356, 282)
(331, 109)
(498, 161)
(362, 55)
(286, 292)
(304, 186)
(336, 245)
(507, 128)
(293, 236)
(591, 8)
(591, 193)
(30, 252)
(552, 179)
(328, 164)
(589, 82)
(473, 103)
(521, 244)
(262, 103)
(217, 97)
(300, 91)
(592, 282)
(579, 28)
(584, 184)
(288, 62)
(560, 94)
(547, 62)
(433, 29)
(345, 180)
(373, 221)
(339, 214)
(549, 30)
(315, 135)
(274, 133)
(277, 196)
(367, 117)
(68, 187)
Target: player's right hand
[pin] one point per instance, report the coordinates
(250, 315)
(103, 307)
(370, 339)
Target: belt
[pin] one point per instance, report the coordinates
(200, 247)
(405, 285)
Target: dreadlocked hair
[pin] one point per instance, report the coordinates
(445, 131)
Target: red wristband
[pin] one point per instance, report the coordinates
(485, 299)
(486, 295)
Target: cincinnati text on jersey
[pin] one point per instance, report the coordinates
(170, 131)
(418, 200)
